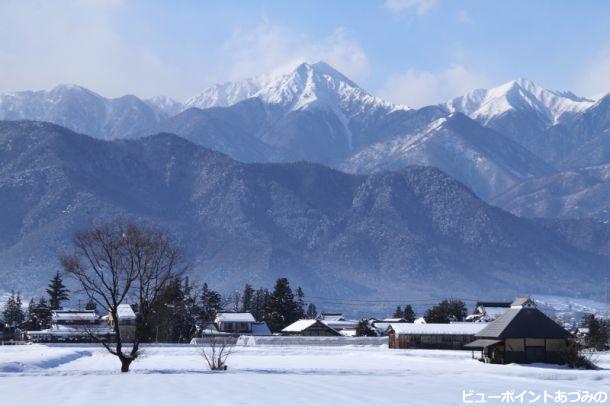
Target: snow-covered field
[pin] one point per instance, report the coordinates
(176, 375)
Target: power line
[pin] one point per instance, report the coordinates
(431, 300)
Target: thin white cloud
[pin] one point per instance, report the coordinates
(417, 88)
(85, 42)
(464, 18)
(420, 7)
(270, 48)
(75, 42)
(594, 78)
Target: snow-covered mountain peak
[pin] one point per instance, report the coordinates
(226, 94)
(306, 86)
(521, 95)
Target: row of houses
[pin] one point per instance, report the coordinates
(85, 326)
(502, 332)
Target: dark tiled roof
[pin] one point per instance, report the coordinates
(493, 304)
(523, 323)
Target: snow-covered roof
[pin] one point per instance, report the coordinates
(235, 317)
(394, 320)
(299, 325)
(71, 330)
(125, 312)
(381, 327)
(420, 320)
(332, 317)
(495, 311)
(348, 332)
(73, 315)
(340, 324)
(438, 328)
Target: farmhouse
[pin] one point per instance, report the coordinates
(339, 323)
(72, 326)
(309, 327)
(522, 335)
(488, 311)
(432, 335)
(239, 323)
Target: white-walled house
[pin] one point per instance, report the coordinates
(73, 326)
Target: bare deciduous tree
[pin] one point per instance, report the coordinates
(120, 261)
(216, 349)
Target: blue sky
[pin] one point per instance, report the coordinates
(410, 51)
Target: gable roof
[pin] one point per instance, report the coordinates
(125, 312)
(524, 322)
(223, 317)
(303, 324)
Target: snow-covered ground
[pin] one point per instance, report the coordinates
(176, 375)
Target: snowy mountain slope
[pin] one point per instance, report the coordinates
(165, 104)
(331, 233)
(583, 140)
(315, 113)
(310, 113)
(484, 160)
(485, 105)
(82, 110)
(226, 94)
(574, 193)
(521, 110)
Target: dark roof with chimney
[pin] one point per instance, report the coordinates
(525, 322)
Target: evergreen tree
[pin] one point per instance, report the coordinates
(43, 314)
(446, 311)
(210, 302)
(247, 298)
(236, 299)
(57, 292)
(300, 303)
(31, 322)
(409, 314)
(312, 312)
(13, 312)
(260, 304)
(173, 316)
(282, 307)
(363, 329)
(598, 332)
(398, 314)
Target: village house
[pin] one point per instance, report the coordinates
(309, 327)
(488, 311)
(339, 323)
(72, 326)
(432, 335)
(238, 323)
(381, 326)
(523, 334)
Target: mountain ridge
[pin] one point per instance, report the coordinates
(332, 233)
